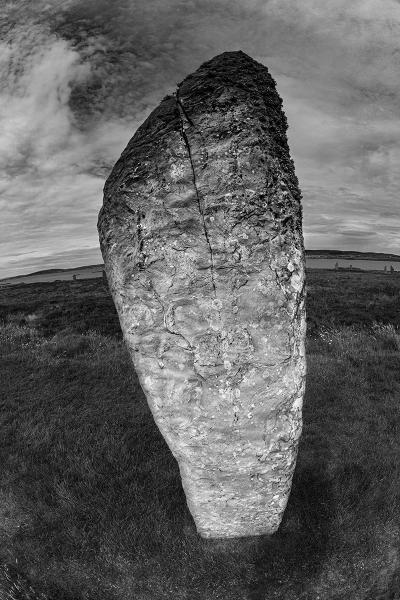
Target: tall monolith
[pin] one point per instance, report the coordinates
(201, 236)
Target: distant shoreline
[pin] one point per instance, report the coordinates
(352, 255)
(310, 255)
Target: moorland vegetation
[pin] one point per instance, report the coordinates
(91, 505)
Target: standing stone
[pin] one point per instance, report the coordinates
(201, 237)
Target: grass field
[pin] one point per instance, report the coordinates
(91, 505)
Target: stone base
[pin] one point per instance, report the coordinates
(231, 505)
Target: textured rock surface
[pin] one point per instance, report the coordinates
(201, 236)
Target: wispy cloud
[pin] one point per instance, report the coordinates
(52, 170)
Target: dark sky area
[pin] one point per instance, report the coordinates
(77, 77)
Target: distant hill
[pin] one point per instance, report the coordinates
(352, 255)
(49, 271)
(332, 254)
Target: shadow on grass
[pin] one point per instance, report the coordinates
(289, 559)
(296, 553)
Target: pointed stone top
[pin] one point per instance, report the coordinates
(230, 57)
(234, 70)
(232, 78)
(226, 64)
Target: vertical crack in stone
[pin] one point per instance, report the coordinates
(181, 110)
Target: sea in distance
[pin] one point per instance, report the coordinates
(92, 271)
(365, 265)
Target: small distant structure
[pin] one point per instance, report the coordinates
(74, 277)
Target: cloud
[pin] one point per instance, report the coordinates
(37, 261)
(36, 120)
(78, 77)
(52, 171)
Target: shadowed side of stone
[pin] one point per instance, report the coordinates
(201, 236)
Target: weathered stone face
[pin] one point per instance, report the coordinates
(201, 237)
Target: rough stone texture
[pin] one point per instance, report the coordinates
(201, 236)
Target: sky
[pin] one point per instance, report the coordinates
(77, 77)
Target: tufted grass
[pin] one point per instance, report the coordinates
(336, 298)
(91, 505)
